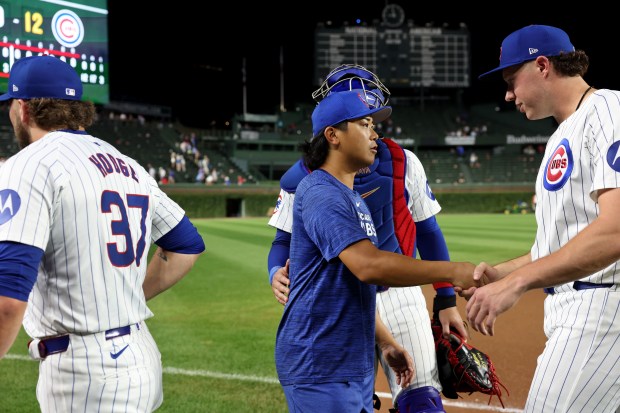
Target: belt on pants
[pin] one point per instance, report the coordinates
(581, 285)
(60, 344)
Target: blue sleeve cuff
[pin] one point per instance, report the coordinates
(19, 266)
(272, 273)
(182, 239)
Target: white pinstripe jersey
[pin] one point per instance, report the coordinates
(95, 212)
(581, 158)
(422, 204)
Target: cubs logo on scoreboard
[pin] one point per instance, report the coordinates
(67, 28)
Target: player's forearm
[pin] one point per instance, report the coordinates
(11, 316)
(593, 249)
(375, 266)
(166, 269)
(514, 264)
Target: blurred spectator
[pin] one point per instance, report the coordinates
(212, 177)
(173, 159)
(200, 176)
(180, 165)
(163, 175)
(460, 151)
(473, 160)
(529, 150)
(171, 176)
(185, 146)
(152, 171)
(204, 164)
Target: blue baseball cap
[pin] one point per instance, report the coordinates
(43, 77)
(341, 106)
(530, 42)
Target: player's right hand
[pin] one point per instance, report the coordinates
(483, 274)
(280, 284)
(463, 278)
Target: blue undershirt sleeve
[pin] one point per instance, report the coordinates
(182, 239)
(279, 252)
(19, 265)
(431, 245)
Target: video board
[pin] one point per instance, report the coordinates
(401, 57)
(76, 32)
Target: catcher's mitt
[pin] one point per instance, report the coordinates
(464, 368)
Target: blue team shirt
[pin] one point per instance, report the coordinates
(327, 330)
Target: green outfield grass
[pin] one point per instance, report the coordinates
(216, 328)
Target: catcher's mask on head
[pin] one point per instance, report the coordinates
(352, 77)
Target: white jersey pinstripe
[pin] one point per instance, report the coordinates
(402, 310)
(583, 350)
(562, 212)
(83, 217)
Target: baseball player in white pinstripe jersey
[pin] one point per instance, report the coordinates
(402, 310)
(576, 251)
(77, 219)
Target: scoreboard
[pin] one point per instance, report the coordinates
(401, 57)
(74, 31)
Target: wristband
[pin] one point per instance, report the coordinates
(445, 291)
(443, 302)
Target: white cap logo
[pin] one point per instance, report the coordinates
(15, 88)
(69, 92)
(532, 50)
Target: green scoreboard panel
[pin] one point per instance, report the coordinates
(401, 57)
(74, 31)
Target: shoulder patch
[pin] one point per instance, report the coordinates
(613, 154)
(9, 204)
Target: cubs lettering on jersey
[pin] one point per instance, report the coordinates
(559, 167)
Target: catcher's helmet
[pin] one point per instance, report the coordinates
(353, 77)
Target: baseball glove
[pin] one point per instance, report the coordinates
(464, 368)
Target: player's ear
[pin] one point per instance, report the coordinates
(22, 110)
(331, 135)
(542, 64)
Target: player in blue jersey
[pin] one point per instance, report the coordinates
(78, 218)
(403, 207)
(325, 340)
